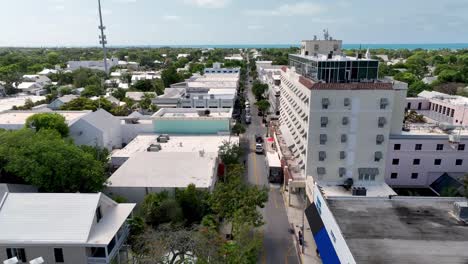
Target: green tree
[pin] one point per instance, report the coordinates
(416, 87)
(48, 121)
(146, 101)
(170, 76)
(258, 89)
(406, 77)
(92, 90)
(46, 160)
(119, 93)
(144, 86)
(159, 208)
(237, 202)
(238, 128)
(194, 204)
(230, 153)
(263, 105)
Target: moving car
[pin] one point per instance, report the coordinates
(259, 148)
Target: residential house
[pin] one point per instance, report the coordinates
(73, 228)
(59, 102)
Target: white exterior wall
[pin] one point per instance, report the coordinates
(71, 254)
(84, 133)
(339, 243)
(361, 132)
(294, 113)
(308, 47)
(131, 131)
(427, 171)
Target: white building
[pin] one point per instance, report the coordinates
(178, 98)
(234, 57)
(144, 76)
(176, 143)
(63, 228)
(148, 172)
(339, 131)
(94, 65)
(30, 87)
(218, 69)
(138, 96)
(59, 102)
(97, 128)
(8, 102)
(182, 55)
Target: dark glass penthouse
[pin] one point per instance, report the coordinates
(335, 68)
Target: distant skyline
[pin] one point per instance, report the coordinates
(208, 22)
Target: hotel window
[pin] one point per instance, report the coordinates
(452, 113)
(459, 162)
(344, 138)
(383, 103)
(395, 161)
(378, 156)
(437, 161)
(440, 147)
(443, 110)
(379, 139)
(58, 254)
(322, 155)
(394, 175)
(416, 161)
(325, 103)
(323, 121)
(347, 102)
(461, 147)
(382, 121)
(323, 139)
(396, 146)
(16, 252)
(342, 155)
(414, 175)
(418, 147)
(345, 120)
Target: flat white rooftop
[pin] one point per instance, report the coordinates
(175, 144)
(166, 170)
(450, 99)
(192, 113)
(8, 103)
(19, 117)
(373, 189)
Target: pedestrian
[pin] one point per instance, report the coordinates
(301, 237)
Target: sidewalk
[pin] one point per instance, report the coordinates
(295, 212)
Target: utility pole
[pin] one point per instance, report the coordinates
(102, 37)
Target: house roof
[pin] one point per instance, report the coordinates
(20, 117)
(58, 218)
(166, 170)
(29, 85)
(67, 98)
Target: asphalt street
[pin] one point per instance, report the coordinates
(278, 243)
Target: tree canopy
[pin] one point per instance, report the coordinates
(48, 121)
(46, 160)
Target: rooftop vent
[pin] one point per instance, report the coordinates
(359, 191)
(162, 139)
(154, 148)
(460, 210)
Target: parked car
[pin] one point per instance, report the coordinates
(248, 119)
(258, 138)
(259, 148)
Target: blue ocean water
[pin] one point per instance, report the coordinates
(432, 46)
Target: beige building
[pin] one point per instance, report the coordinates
(72, 228)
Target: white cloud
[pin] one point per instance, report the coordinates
(170, 17)
(296, 9)
(254, 27)
(59, 7)
(208, 3)
(126, 1)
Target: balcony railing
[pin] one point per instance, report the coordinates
(121, 238)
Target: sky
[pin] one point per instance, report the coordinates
(195, 22)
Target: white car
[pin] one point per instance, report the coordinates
(259, 148)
